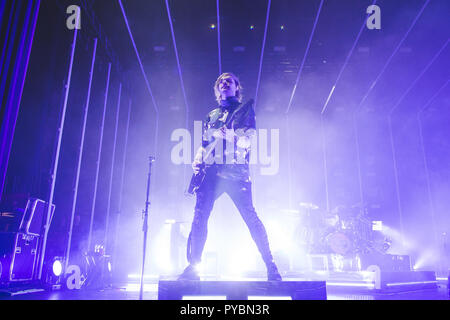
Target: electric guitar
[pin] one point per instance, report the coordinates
(198, 178)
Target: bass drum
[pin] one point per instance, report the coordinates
(340, 243)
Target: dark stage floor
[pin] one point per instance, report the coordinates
(131, 292)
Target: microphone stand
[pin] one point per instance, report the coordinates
(145, 226)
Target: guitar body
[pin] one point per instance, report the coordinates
(197, 179)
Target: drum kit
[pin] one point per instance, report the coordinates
(345, 230)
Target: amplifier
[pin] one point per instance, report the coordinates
(18, 256)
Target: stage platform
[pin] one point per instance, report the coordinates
(413, 285)
(130, 291)
(241, 290)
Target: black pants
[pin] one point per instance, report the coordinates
(241, 194)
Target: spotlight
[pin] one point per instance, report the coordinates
(282, 27)
(57, 268)
(252, 27)
(212, 26)
(54, 273)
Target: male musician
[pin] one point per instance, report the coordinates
(228, 173)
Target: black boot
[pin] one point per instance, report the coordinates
(272, 272)
(189, 274)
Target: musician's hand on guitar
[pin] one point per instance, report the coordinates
(224, 134)
(196, 165)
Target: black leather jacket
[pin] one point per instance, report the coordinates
(231, 160)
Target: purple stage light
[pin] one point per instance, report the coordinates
(180, 73)
(393, 53)
(138, 57)
(5, 141)
(262, 52)
(145, 76)
(347, 59)
(99, 155)
(219, 50)
(391, 134)
(419, 76)
(122, 178)
(116, 127)
(427, 170)
(304, 56)
(57, 153)
(80, 156)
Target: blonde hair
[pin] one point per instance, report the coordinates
(236, 81)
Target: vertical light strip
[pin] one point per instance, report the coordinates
(3, 85)
(397, 184)
(219, 50)
(393, 53)
(99, 156)
(305, 55)
(325, 168)
(80, 155)
(391, 134)
(358, 158)
(419, 76)
(56, 160)
(427, 172)
(262, 53)
(122, 178)
(291, 99)
(2, 9)
(180, 74)
(5, 41)
(363, 26)
(111, 174)
(144, 74)
(3, 138)
(289, 151)
(328, 99)
(8, 47)
(433, 97)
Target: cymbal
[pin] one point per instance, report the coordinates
(308, 205)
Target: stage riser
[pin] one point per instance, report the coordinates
(241, 290)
